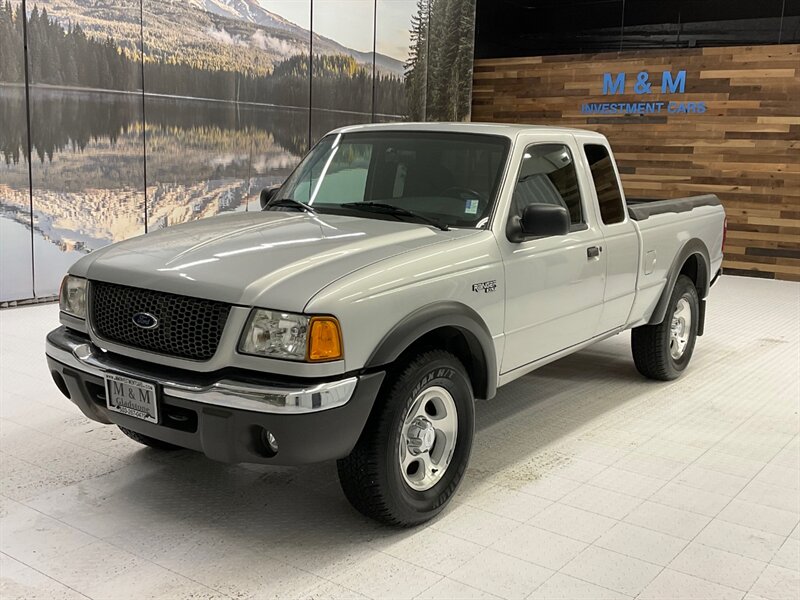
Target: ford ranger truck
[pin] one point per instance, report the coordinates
(400, 273)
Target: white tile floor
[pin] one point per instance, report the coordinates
(586, 481)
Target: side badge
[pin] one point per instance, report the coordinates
(485, 286)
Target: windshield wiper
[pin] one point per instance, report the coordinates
(294, 203)
(395, 211)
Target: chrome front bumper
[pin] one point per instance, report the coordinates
(82, 355)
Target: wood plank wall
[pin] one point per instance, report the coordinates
(745, 148)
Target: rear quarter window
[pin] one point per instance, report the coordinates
(609, 196)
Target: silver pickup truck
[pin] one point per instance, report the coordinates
(401, 272)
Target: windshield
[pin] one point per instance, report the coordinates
(451, 178)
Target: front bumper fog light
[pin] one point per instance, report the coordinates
(270, 441)
(264, 442)
(72, 297)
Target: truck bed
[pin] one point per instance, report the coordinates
(640, 209)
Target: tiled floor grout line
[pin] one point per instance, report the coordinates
(51, 471)
(71, 443)
(84, 479)
(106, 541)
(66, 410)
(460, 583)
(22, 562)
(27, 462)
(592, 583)
(441, 577)
(589, 545)
(430, 586)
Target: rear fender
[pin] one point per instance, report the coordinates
(694, 247)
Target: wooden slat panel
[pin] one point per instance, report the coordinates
(745, 148)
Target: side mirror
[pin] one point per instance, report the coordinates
(267, 194)
(539, 220)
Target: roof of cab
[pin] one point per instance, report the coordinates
(509, 130)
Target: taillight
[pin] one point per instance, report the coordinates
(724, 232)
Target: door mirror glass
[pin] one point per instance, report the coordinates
(267, 194)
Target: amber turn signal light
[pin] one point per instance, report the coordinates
(325, 339)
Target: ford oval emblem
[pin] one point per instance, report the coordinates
(145, 320)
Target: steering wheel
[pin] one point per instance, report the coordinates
(461, 192)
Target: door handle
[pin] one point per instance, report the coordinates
(593, 252)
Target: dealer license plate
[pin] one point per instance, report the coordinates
(132, 397)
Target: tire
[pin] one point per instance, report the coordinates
(657, 353)
(146, 440)
(372, 477)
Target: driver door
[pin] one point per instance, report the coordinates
(554, 285)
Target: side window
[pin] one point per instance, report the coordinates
(547, 176)
(606, 185)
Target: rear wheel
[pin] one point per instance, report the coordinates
(414, 450)
(146, 440)
(663, 351)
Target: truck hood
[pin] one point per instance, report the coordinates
(269, 259)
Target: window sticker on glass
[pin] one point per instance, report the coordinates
(471, 207)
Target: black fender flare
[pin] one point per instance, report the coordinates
(434, 316)
(693, 247)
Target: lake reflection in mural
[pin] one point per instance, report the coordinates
(203, 156)
(87, 158)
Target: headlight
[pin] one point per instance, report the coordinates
(289, 336)
(72, 298)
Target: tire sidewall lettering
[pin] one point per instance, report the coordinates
(446, 373)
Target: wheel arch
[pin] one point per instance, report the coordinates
(450, 326)
(693, 261)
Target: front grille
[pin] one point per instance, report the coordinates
(187, 327)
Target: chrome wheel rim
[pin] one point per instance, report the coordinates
(680, 328)
(428, 438)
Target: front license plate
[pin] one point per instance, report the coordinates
(132, 397)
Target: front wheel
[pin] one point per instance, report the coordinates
(415, 448)
(664, 350)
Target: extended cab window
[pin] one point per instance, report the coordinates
(547, 176)
(609, 196)
(449, 177)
